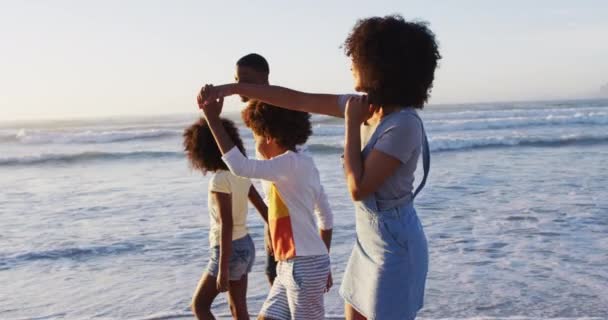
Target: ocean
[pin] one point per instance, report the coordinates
(103, 218)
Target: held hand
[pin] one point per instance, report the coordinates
(330, 282)
(213, 108)
(358, 109)
(209, 94)
(222, 281)
(205, 95)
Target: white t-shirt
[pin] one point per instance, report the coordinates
(295, 197)
(224, 181)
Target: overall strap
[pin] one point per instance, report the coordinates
(377, 204)
(426, 158)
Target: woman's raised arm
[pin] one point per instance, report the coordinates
(327, 104)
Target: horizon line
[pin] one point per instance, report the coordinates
(161, 114)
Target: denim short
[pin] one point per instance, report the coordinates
(386, 274)
(241, 259)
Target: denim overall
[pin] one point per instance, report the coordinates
(386, 273)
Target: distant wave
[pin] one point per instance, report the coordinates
(328, 129)
(85, 137)
(437, 145)
(455, 144)
(448, 114)
(86, 156)
(493, 119)
(443, 120)
(518, 122)
(74, 253)
(324, 148)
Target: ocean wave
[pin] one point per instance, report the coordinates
(439, 144)
(490, 120)
(85, 137)
(436, 120)
(457, 144)
(579, 118)
(328, 129)
(86, 156)
(73, 253)
(448, 114)
(318, 148)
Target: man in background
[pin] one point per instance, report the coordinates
(253, 68)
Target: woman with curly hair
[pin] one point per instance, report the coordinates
(393, 64)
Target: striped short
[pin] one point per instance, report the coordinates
(297, 291)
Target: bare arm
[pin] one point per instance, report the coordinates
(326, 104)
(326, 236)
(325, 217)
(258, 203)
(325, 220)
(212, 113)
(224, 203)
(365, 178)
(362, 178)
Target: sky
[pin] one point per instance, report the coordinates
(71, 59)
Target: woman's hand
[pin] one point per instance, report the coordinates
(205, 94)
(358, 109)
(210, 94)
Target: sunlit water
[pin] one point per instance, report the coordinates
(104, 219)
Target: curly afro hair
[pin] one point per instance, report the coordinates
(201, 148)
(395, 59)
(288, 127)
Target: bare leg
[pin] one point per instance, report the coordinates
(351, 313)
(205, 293)
(237, 295)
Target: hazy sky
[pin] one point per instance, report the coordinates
(89, 58)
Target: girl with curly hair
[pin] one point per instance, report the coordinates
(232, 252)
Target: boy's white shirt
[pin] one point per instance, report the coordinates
(297, 180)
